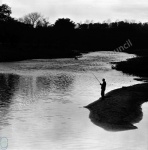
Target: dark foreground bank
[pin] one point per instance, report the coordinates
(120, 109)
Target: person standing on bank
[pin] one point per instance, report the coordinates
(103, 87)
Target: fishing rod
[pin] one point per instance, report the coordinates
(96, 78)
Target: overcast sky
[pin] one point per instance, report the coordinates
(81, 10)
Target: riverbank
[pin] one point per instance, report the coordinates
(135, 66)
(10, 53)
(120, 109)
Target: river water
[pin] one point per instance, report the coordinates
(41, 104)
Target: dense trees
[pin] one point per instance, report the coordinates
(64, 24)
(33, 37)
(5, 12)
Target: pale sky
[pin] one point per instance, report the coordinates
(81, 10)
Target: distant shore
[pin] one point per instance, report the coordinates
(120, 109)
(11, 53)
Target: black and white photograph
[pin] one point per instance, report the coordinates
(73, 75)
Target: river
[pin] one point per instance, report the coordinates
(41, 104)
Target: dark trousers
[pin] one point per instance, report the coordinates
(102, 93)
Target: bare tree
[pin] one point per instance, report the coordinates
(42, 23)
(35, 19)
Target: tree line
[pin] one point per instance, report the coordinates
(32, 36)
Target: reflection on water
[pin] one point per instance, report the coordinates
(8, 85)
(42, 104)
(59, 82)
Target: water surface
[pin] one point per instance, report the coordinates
(41, 104)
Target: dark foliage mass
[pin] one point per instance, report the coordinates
(20, 39)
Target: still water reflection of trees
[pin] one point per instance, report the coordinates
(8, 85)
(60, 82)
(29, 86)
(26, 90)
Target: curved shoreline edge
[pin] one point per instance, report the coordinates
(120, 109)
